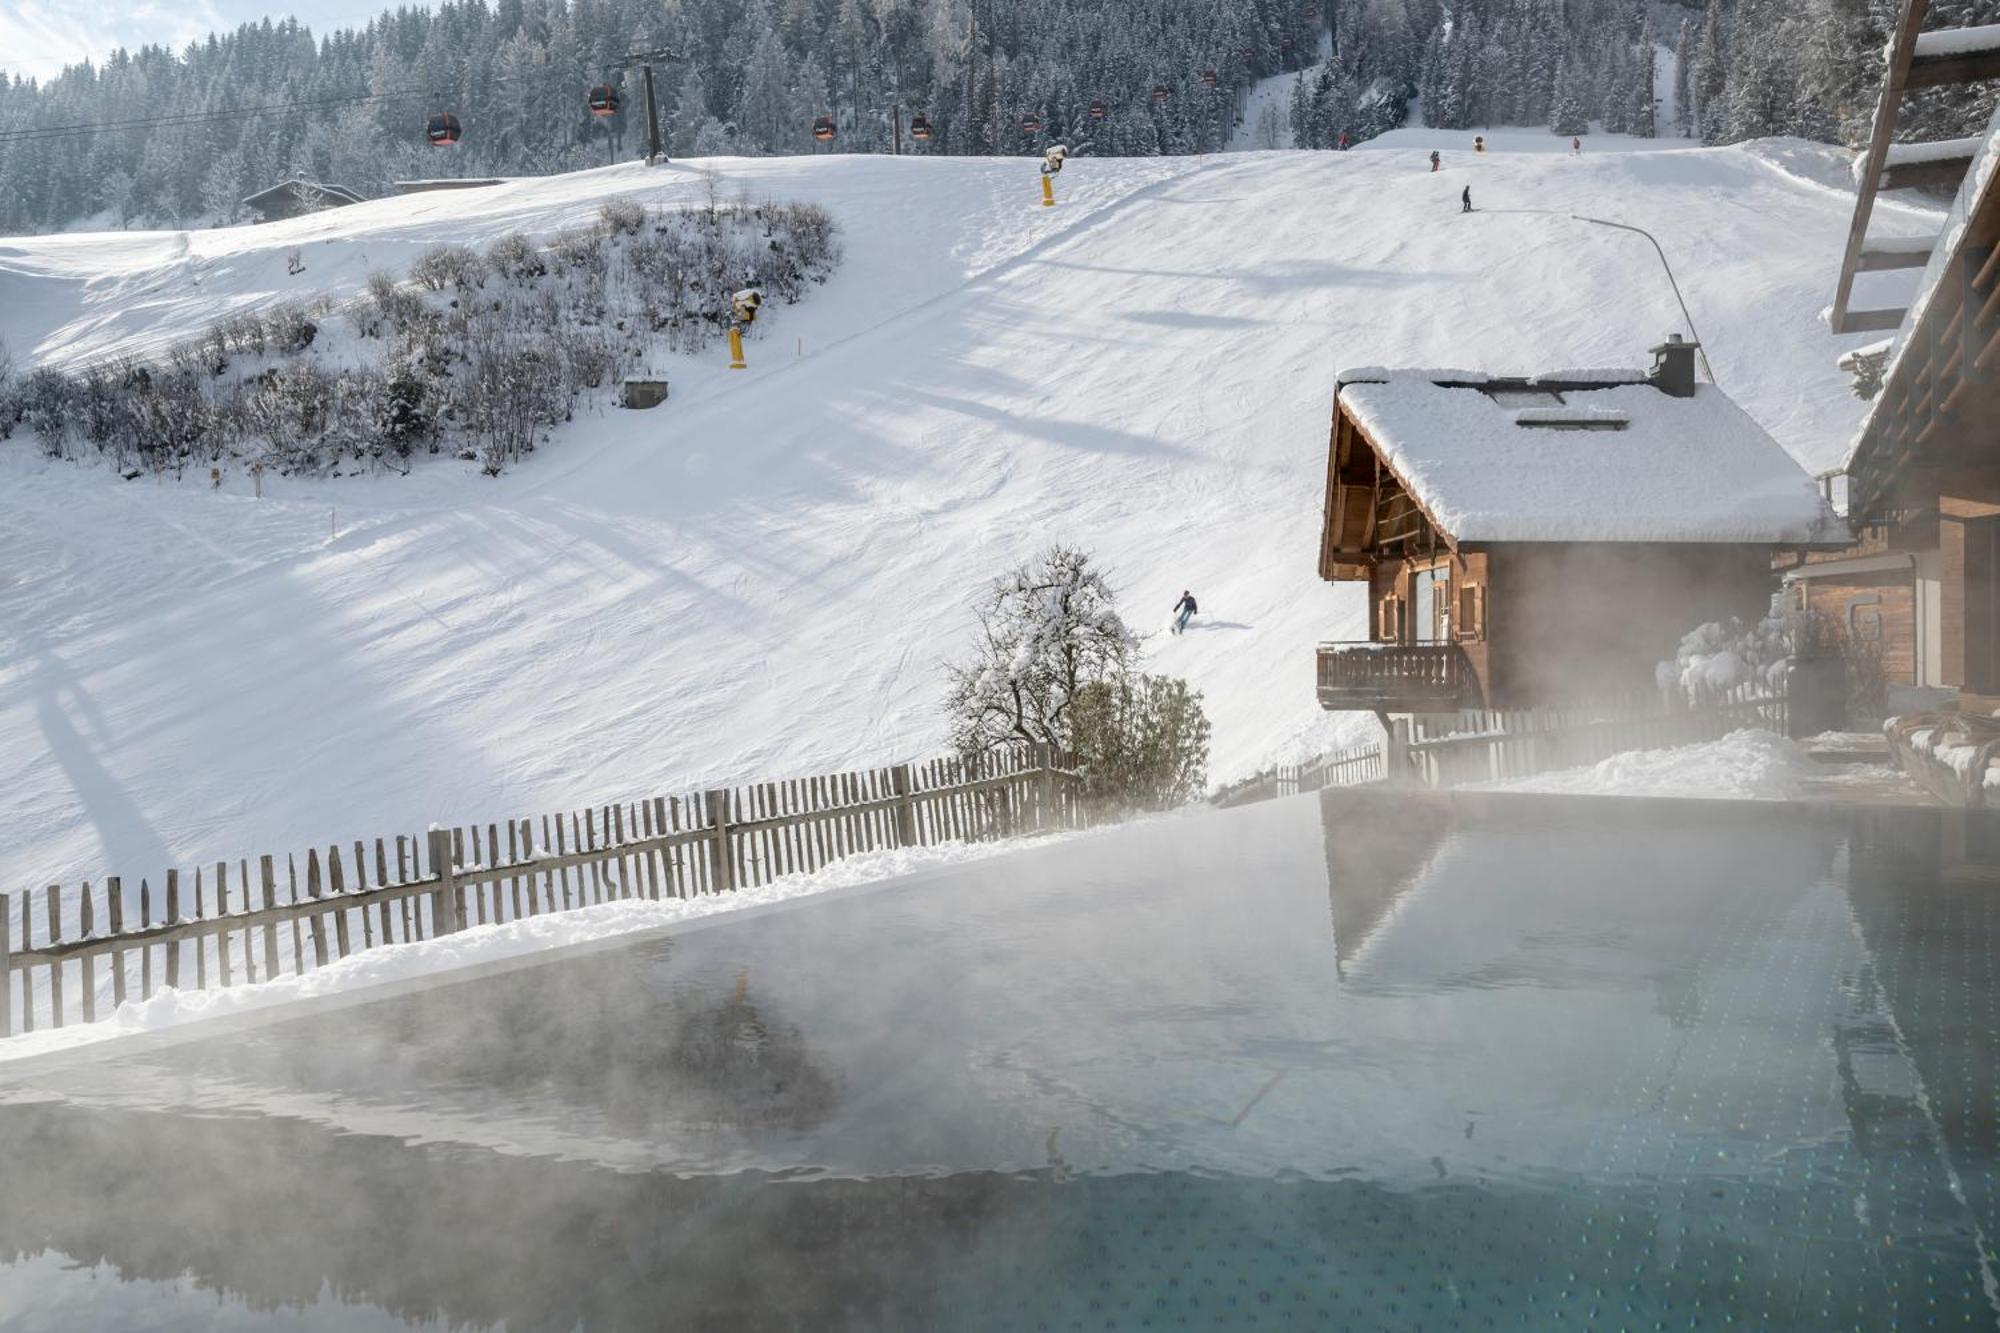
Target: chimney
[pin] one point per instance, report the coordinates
(1673, 367)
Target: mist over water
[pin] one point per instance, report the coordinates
(1332, 1062)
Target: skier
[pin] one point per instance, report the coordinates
(1575, 146)
(1343, 141)
(1434, 160)
(1184, 611)
(1478, 143)
(1466, 199)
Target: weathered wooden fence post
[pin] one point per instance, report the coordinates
(1396, 752)
(7, 970)
(444, 902)
(906, 811)
(1045, 755)
(721, 863)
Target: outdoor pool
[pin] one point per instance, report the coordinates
(1342, 1062)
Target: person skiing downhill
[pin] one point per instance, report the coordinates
(1466, 199)
(1434, 159)
(1575, 146)
(1184, 611)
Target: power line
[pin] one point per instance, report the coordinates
(40, 133)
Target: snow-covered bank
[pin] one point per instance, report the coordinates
(476, 945)
(760, 578)
(1746, 765)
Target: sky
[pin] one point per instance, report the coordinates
(39, 37)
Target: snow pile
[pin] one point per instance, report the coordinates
(1955, 750)
(1680, 469)
(494, 943)
(1718, 657)
(1745, 765)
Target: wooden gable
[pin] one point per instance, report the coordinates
(1368, 514)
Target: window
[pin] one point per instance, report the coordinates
(1389, 620)
(1471, 611)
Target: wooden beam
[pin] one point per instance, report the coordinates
(1934, 172)
(1928, 71)
(1878, 258)
(1901, 48)
(1867, 321)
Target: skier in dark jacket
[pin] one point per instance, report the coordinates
(1434, 159)
(1466, 199)
(1184, 610)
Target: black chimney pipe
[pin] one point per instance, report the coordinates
(1673, 366)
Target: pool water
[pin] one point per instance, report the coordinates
(1352, 1061)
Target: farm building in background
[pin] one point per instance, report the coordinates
(295, 198)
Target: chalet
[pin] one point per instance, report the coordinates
(296, 198)
(1922, 476)
(1540, 538)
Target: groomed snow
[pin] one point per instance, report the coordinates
(1743, 766)
(168, 1008)
(759, 578)
(1677, 470)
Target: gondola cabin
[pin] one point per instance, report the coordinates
(442, 130)
(1031, 124)
(1098, 110)
(1161, 93)
(920, 127)
(1540, 539)
(1208, 78)
(823, 129)
(604, 100)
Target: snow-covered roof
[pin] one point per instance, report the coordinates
(1620, 463)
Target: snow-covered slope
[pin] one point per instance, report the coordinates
(761, 577)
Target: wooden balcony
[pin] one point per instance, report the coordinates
(1395, 677)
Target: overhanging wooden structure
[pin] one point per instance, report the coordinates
(1915, 59)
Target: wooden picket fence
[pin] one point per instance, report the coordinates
(1341, 768)
(1493, 745)
(249, 924)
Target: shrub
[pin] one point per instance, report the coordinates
(622, 217)
(516, 258)
(291, 329)
(449, 266)
(396, 307)
(1141, 742)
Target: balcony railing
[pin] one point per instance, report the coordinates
(1395, 677)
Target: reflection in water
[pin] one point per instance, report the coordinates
(1555, 1062)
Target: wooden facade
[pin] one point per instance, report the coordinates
(1922, 584)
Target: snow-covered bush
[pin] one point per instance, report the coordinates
(44, 402)
(1720, 656)
(622, 217)
(10, 396)
(516, 258)
(291, 328)
(1046, 629)
(443, 266)
(432, 368)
